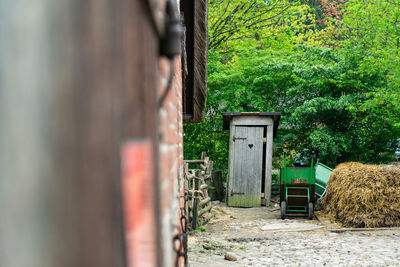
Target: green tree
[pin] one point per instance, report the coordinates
(238, 24)
(336, 84)
(374, 26)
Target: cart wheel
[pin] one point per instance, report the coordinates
(283, 210)
(310, 210)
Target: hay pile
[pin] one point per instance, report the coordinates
(361, 195)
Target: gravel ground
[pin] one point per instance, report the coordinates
(257, 237)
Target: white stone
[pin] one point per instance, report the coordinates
(230, 256)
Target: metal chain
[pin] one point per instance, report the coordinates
(180, 240)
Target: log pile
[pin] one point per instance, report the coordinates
(364, 196)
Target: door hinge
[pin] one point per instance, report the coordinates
(236, 193)
(238, 138)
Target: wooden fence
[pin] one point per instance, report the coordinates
(196, 186)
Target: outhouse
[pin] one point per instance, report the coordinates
(250, 156)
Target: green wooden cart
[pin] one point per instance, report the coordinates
(297, 190)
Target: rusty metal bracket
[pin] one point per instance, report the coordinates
(171, 42)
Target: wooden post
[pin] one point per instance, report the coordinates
(217, 180)
(268, 166)
(195, 203)
(77, 79)
(210, 168)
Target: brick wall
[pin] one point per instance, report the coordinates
(168, 166)
(170, 158)
(149, 231)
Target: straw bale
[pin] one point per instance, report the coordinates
(361, 195)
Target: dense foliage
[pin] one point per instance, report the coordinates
(330, 66)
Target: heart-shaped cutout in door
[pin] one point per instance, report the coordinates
(251, 146)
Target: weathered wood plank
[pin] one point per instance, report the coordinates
(204, 201)
(194, 161)
(247, 167)
(78, 78)
(252, 120)
(237, 190)
(255, 165)
(206, 209)
(268, 166)
(230, 165)
(203, 186)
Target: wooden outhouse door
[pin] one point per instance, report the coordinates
(245, 187)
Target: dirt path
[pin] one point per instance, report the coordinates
(257, 237)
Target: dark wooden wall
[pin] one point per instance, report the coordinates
(77, 78)
(195, 14)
